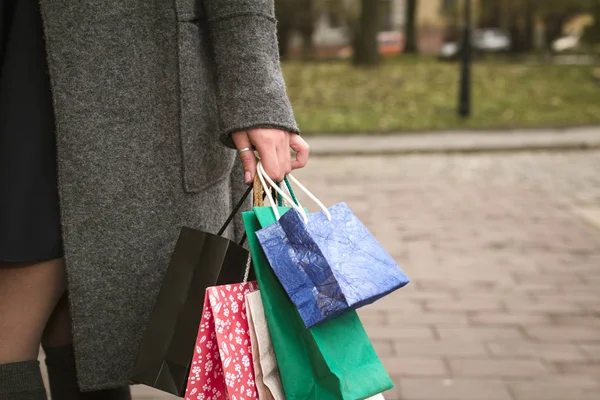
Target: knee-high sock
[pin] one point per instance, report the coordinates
(21, 381)
(63, 378)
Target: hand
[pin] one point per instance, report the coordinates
(273, 147)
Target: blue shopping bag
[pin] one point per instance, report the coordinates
(328, 262)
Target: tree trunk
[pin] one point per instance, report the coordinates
(284, 27)
(283, 39)
(516, 36)
(529, 28)
(308, 48)
(366, 49)
(410, 32)
(491, 14)
(591, 35)
(304, 17)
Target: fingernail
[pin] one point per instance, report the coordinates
(248, 177)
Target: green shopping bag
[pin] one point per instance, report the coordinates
(331, 361)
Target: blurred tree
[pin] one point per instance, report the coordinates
(285, 27)
(366, 49)
(450, 10)
(347, 12)
(296, 16)
(528, 35)
(305, 17)
(555, 13)
(591, 35)
(518, 17)
(521, 25)
(490, 14)
(410, 31)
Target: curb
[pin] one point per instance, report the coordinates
(573, 139)
(315, 152)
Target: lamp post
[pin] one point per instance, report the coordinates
(464, 101)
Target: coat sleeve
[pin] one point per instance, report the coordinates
(251, 89)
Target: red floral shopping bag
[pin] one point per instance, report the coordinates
(222, 367)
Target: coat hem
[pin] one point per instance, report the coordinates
(107, 386)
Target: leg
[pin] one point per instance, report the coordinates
(57, 342)
(28, 294)
(58, 329)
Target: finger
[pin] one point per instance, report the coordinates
(302, 149)
(269, 159)
(242, 141)
(266, 143)
(285, 156)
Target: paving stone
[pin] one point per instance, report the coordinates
(556, 388)
(555, 306)
(509, 319)
(453, 389)
(490, 368)
(583, 319)
(412, 366)
(384, 348)
(422, 333)
(493, 305)
(478, 333)
(564, 334)
(579, 368)
(403, 319)
(592, 351)
(141, 392)
(440, 348)
(529, 350)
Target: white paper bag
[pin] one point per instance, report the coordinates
(266, 370)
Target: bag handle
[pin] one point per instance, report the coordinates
(260, 171)
(264, 177)
(311, 196)
(235, 211)
(290, 191)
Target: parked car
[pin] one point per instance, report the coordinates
(483, 41)
(566, 43)
(390, 42)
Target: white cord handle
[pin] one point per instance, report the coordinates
(262, 176)
(312, 196)
(247, 271)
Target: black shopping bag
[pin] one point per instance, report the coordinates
(199, 260)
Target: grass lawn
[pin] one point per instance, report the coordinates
(421, 94)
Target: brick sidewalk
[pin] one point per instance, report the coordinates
(504, 301)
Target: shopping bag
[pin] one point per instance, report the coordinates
(327, 262)
(222, 367)
(199, 260)
(266, 370)
(331, 361)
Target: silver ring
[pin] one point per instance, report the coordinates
(240, 151)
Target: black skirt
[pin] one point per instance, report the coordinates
(29, 209)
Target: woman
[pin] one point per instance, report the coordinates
(126, 128)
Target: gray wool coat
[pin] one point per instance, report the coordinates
(145, 93)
